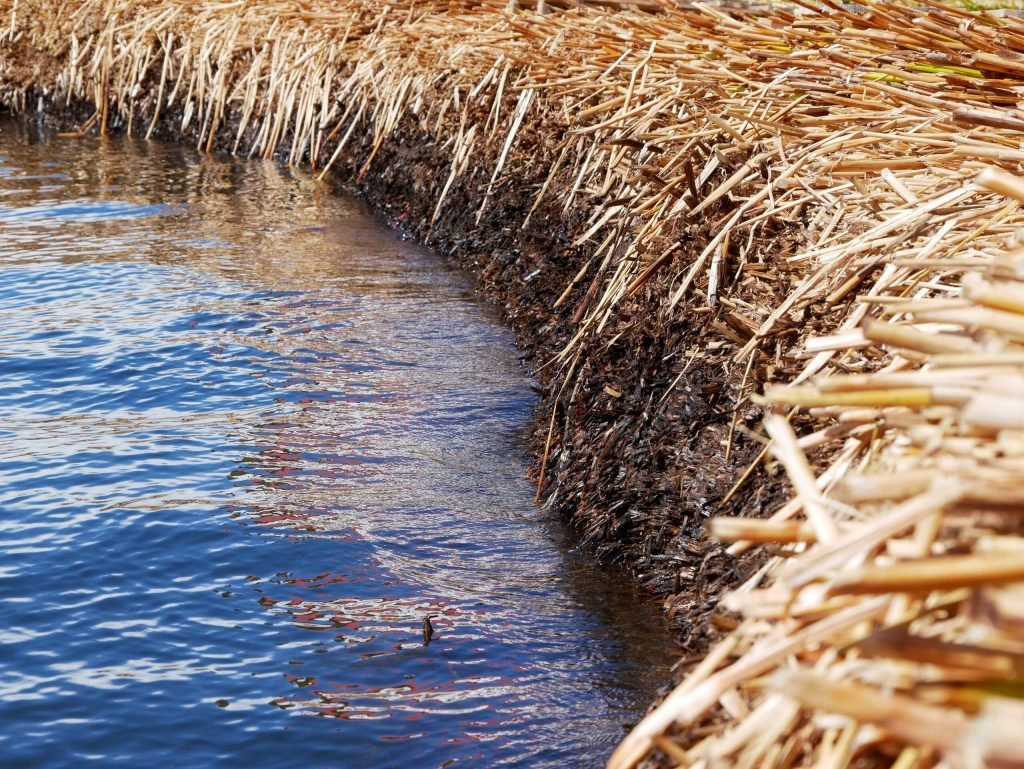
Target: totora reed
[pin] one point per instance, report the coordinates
(769, 264)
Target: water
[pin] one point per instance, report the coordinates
(249, 439)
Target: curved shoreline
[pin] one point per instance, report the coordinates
(676, 210)
(631, 429)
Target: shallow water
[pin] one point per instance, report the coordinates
(249, 439)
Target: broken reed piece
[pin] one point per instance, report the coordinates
(1013, 360)
(1009, 325)
(1000, 296)
(904, 717)
(981, 662)
(929, 574)
(753, 530)
(1002, 182)
(786, 449)
(858, 489)
(995, 412)
(906, 338)
(812, 397)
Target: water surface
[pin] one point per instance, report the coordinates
(249, 439)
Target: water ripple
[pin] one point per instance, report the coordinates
(249, 440)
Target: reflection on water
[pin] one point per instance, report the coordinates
(249, 441)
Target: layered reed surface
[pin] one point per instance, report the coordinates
(806, 215)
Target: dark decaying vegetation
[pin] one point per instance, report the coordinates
(766, 262)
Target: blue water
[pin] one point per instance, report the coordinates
(249, 439)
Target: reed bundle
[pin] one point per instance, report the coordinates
(889, 629)
(833, 193)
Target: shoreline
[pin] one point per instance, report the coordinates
(618, 469)
(689, 217)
